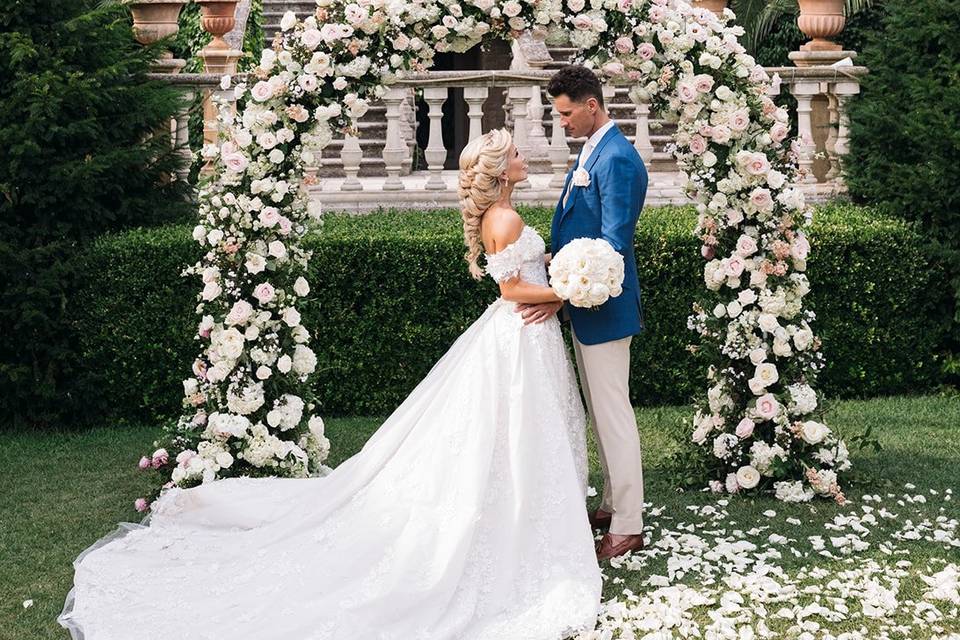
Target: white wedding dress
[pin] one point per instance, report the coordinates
(462, 518)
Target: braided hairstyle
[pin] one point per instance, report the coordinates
(482, 163)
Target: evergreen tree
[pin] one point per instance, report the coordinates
(86, 150)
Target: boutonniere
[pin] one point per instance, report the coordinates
(581, 178)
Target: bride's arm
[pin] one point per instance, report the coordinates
(506, 231)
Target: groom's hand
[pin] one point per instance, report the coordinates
(537, 313)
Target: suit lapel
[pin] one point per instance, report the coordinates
(592, 160)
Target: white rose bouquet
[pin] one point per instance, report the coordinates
(587, 272)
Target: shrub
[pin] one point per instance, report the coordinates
(391, 293)
(86, 149)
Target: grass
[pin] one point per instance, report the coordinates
(62, 491)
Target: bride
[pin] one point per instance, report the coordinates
(461, 518)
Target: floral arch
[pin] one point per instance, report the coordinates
(249, 409)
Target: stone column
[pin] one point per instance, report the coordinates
(475, 97)
(395, 149)
(843, 92)
(519, 98)
(351, 155)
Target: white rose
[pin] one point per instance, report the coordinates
(748, 477)
(277, 249)
(803, 339)
(263, 372)
(767, 373)
(301, 287)
(734, 309)
(199, 233)
(758, 355)
(781, 348)
(720, 310)
(768, 322)
(288, 21)
(284, 364)
(291, 316)
(304, 360)
(814, 432)
(210, 291)
(230, 343)
(255, 263)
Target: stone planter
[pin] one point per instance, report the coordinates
(218, 18)
(154, 20)
(821, 20)
(717, 6)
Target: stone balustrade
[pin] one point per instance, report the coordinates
(821, 93)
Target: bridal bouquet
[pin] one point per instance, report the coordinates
(587, 272)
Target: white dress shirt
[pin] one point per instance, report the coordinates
(588, 148)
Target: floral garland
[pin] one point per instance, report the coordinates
(249, 410)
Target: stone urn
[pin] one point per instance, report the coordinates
(821, 20)
(154, 20)
(218, 17)
(717, 6)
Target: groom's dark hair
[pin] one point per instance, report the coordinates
(578, 83)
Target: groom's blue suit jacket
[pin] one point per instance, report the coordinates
(608, 208)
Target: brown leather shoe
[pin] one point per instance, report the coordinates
(606, 549)
(599, 519)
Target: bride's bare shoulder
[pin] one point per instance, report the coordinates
(500, 227)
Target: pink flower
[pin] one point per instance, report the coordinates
(200, 367)
(746, 246)
(262, 91)
(646, 51)
(236, 162)
(703, 83)
(761, 199)
(612, 69)
(583, 23)
(745, 428)
(698, 145)
(708, 252)
(269, 216)
(758, 164)
(160, 458)
(141, 504)
(778, 132)
(311, 38)
(200, 418)
(735, 266)
(740, 120)
(624, 44)
(800, 247)
(687, 92)
(624, 5)
(767, 406)
(657, 14)
(144, 463)
(264, 293)
(285, 225)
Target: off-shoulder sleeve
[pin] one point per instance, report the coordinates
(505, 264)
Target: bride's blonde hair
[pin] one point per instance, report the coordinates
(482, 162)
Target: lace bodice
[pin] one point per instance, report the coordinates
(523, 257)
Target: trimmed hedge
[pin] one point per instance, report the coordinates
(391, 292)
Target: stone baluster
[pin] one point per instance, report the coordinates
(536, 136)
(395, 149)
(642, 142)
(408, 128)
(804, 92)
(519, 98)
(559, 151)
(436, 152)
(831, 142)
(844, 91)
(181, 134)
(475, 97)
(351, 156)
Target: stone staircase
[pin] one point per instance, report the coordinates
(373, 124)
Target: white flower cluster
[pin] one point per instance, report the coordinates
(587, 272)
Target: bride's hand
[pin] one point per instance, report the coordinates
(538, 313)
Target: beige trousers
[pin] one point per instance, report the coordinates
(605, 376)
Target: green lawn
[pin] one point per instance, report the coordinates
(61, 491)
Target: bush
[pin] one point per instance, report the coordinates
(905, 125)
(391, 293)
(86, 149)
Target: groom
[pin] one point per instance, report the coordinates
(602, 198)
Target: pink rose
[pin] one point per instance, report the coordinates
(734, 217)
(583, 23)
(758, 164)
(200, 418)
(144, 463)
(285, 225)
(624, 44)
(708, 252)
(745, 428)
(200, 367)
(735, 266)
(269, 216)
(646, 51)
(687, 92)
(762, 199)
(767, 406)
(778, 132)
(612, 69)
(236, 162)
(240, 312)
(657, 14)
(703, 83)
(264, 293)
(698, 145)
(624, 5)
(740, 120)
(800, 247)
(160, 458)
(311, 38)
(746, 246)
(141, 504)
